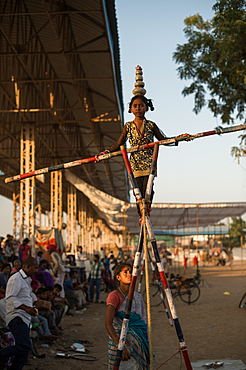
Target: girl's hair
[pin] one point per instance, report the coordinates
(147, 102)
(120, 267)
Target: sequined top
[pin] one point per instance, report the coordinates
(140, 161)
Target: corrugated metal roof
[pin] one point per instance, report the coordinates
(172, 216)
(68, 49)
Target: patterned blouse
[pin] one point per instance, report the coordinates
(140, 161)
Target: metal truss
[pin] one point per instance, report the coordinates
(72, 224)
(27, 186)
(56, 199)
(54, 104)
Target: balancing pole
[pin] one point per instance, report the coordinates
(130, 295)
(168, 141)
(168, 295)
(161, 272)
(136, 264)
(159, 288)
(148, 192)
(141, 275)
(147, 285)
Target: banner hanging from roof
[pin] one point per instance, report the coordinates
(108, 208)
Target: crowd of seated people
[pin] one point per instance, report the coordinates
(51, 306)
(54, 295)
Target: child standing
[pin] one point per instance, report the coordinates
(136, 348)
(140, 131)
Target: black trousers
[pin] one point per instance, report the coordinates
(142, 185)
(22, 346)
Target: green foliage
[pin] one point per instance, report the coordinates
(214, 59)
(237, 228)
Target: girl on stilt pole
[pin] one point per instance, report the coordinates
(139, 131)
(136, 350)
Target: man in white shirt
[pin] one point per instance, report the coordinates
(80, 264)
(19, 309)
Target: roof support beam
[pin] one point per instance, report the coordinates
(65, 27)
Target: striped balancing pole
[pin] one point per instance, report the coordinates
(168, 295)
(167, 141)
(160, 267)
(147, 285)
(148, 192)
(147, 198)
(141, 275)
(159, 288)
(136, 264)
(130, 295)
(152, 173)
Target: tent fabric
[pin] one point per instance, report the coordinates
(108, 208)
(45, 236)
(164, 216)
(173, 216)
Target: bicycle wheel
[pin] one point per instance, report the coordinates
(243, 301)
(155, 299)
(189, 291)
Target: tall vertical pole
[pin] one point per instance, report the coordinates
(161, 272)
(16, 214)
(168, 295)
(27, 187)
(71, 217)
(56, 199)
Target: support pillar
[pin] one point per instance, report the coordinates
(72, 232)
(16, 215)
(82, 221)
(56, 199)
(27, 186)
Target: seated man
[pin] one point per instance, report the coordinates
(46, 312)
(16, 267)
(70, 295)
(78, 289)
(58, 304)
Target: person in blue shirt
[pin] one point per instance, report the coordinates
(70, 295)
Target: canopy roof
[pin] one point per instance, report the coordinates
(174, 216)
(164, 216)
(60, 73)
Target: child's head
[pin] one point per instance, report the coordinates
(121, 271)
(41, 293)
(49, 291)
(72, 273)
(43, 265)
(148, 102)
(57, 289)
(6, 268)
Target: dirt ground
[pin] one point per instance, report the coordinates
(213, 327)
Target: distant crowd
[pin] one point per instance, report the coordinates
(39, 291)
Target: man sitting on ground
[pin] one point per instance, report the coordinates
(19, 309)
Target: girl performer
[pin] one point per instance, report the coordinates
(140, 131)
(136, 349)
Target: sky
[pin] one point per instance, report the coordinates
(201, 171)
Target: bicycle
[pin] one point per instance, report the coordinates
(243, 301)
(188, 291)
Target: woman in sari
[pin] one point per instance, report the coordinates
(136, 350)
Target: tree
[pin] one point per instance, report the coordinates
(214, 59)
(237, 231)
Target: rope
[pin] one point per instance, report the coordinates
(179, 351)
(147, 287)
